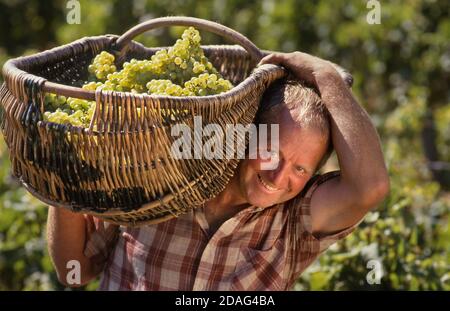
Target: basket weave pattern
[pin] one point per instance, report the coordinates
(121, 169)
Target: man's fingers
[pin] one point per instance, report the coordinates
(90, 226)
(104, 226)
(111, 227)
(303, 65)
(274, 58)
(94, 224)
(100, 224)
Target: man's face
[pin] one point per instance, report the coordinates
(300, 151)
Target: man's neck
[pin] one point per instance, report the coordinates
(230, 198)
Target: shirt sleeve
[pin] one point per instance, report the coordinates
(100, 242)
(301, 228)
(304, 247)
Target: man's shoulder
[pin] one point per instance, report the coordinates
(316, 181)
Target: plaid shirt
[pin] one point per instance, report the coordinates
(257, 249)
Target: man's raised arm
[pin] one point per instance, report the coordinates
(364, 182)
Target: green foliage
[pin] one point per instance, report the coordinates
(24, 260)
(410, 243)
(24, 263)
(442, 117)
(409, 233)
(401, 69)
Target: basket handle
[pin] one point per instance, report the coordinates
(123, 41)
(214, 27)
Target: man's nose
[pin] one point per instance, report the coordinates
(279, 177)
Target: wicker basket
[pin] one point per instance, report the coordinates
(121, 168)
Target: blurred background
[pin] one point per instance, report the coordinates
(401, 69)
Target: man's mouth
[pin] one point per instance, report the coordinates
(266, 185)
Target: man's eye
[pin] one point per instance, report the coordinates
(300, 169)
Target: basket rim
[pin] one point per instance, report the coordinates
(13, 68)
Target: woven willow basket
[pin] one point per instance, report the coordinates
(121, 168)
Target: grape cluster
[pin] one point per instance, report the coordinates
(102, 66)
(62, 117)
(75, 111)
(181, 70)
(165, 87)
(207, 84)
(178, 64)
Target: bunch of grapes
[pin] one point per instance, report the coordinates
(181, 70)
(75, 111)
(178, 64)
(166, 87)
(62, 117)
(207, 84)
(102, 65)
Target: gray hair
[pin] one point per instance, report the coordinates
(304, 103)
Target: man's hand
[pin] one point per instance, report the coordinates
(100, 239)
(341, 202)
(67, 235)
(307, 67)
(94, 224)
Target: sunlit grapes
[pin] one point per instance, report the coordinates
(181, 70)
(102, 65)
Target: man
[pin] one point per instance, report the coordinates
(267, 226)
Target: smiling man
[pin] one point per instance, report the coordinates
(267, 226)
